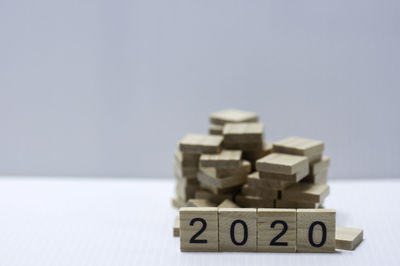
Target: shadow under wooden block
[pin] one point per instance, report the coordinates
(276, 230)
(316, 230)
(237, 229)
(199, 228)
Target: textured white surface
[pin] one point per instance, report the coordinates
(129, 222)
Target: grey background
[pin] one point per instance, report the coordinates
(107, 88)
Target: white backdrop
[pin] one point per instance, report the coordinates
(107, 88)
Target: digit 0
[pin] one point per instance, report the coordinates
(245, 232)
(311, 234)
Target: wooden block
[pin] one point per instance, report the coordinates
(176, 229)
(317, 179)
(254, 201)
(243, 132)
(185, 172)
(254, 155)
(225, 159)
(305, 192)
(300, 146)
(197, 143)
(226, 182)
(185, 190)
(215, 129)
(200, 203)
(320, 166)
(276, 230)
(237, 229)
(244, 169)
(190, 160)
(348, 238)
(244, 146)
(232, 116)
(274, 184)
(228, 204)
(316, 230)
(296, 177)
(216, 190)
(199, 228)
(265, 193)
(282, 163)
(178, 202)
(215, 198)
(297, 204)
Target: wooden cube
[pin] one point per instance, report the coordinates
(225, 182)
(232, 116)
(305, 192)
(276, 230)
(316, 230)
(197, 143)
(300, 146)
(243, 169)
(225, 159)
(243, 132)
(228, 204)
(237, 229)
(348, 238)
(296, 177)
(199, 228)
(282, 163)
(176, 229)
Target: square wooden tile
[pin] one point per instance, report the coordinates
(282, 163)
(299, 146)
(199, 228)
(225, 182)
(232, 116)
(243, 132)
(225, 159)
(305, 192)
(296, 177)
(276, 230)
(243, 169)
(348, 238)
(198, 143)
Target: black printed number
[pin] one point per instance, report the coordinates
(311, 234)
(245, 232)
(194, 239)
(274, 241)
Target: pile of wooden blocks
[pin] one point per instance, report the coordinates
(234, 167)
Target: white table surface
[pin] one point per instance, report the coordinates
(71, 221)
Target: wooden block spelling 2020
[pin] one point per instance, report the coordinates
(263, 229)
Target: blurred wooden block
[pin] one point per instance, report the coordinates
(176, 229)
(225, 159)
(232, 116)
(246, 201)
(282, 163)
(320, 178)
(243, 169)
(320, 166)
(199, 228)
(216, 190)
(254, 179)
(265, 193)
(243, 132)
(190, 160)
(348, 238)
(297, 204)
(200, 203)
(237, 229)
(215, 198)
(185, 190)
(254, 155)
(305, 192)
(222, 183)
(185, 172)
(197, 143)
(228, 204)
(178, 202)
(310, 148)
(296, 177)
(215, 129)
(276, 230)
(316, 230)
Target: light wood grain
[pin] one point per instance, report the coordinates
(230, 181)
(300, 146)
(320, 166)
(243, 169)
(282, 163)
(228, 204)
(198, 143)
(319, 178)
(305, 220)
(348, 238)
(176, 228)
(270, 223)
(305, 192)
(235, 220)
(296, 177)
(189, 227)
(225, 159)
(232, 116)
(243, 132)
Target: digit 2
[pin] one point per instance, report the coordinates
(274, 241)
(194, 239)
